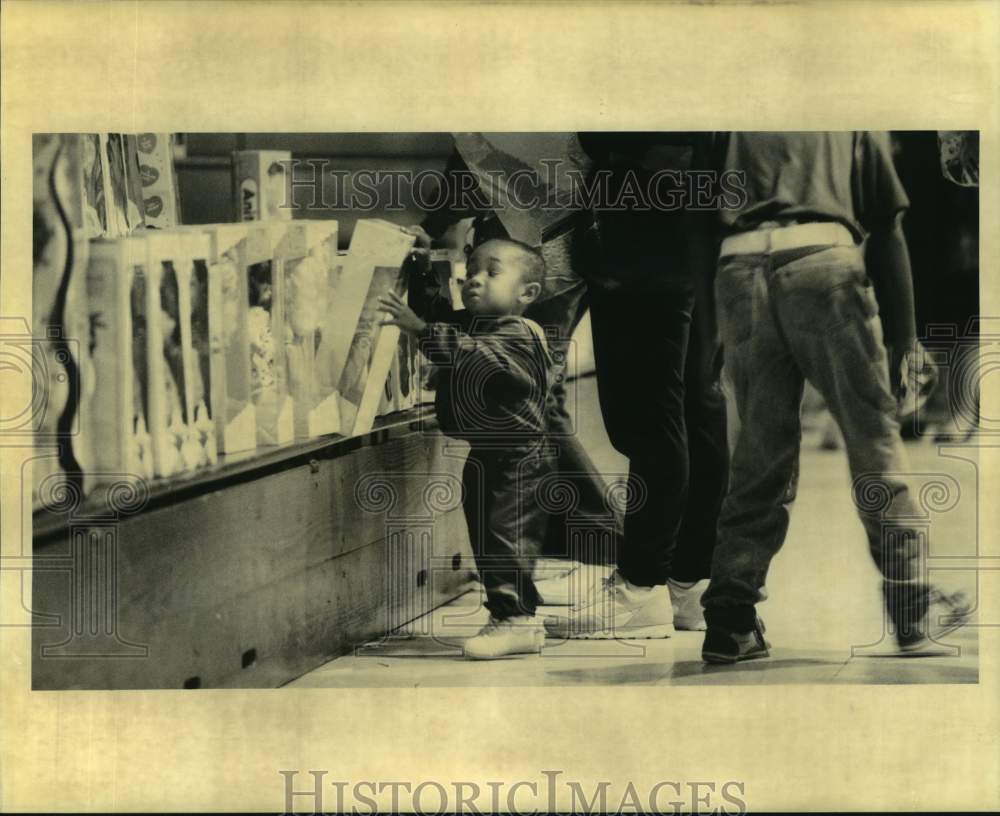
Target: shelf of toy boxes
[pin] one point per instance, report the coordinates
(237, 468)
(359, 404)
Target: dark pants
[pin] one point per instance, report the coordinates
(506, 522)
(813, 318)
(559, 312)
(657, 377)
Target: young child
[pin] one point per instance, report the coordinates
(822, 212)
(492, 371)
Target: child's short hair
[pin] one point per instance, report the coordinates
(534, 264)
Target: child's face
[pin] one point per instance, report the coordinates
(494, 281)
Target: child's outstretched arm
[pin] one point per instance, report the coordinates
(508, 352)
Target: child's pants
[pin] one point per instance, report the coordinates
(506, 523)
(813, 318)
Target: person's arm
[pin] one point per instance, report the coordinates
(888, 263)
(911, 375)
(437, 222)
(507, 352)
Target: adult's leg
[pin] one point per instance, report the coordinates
(559, 314)
(768, 386)
(830, 312)
(640, 343)
(708, 451)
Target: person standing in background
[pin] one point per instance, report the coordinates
(648, 270)
(822, 211)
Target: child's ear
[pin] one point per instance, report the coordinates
(531, 292)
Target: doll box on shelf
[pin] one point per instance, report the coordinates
(266, 327)
(160, 193)
(372, 268)
(307, 258)
(262, 185)
(115, 417)
(233, 408)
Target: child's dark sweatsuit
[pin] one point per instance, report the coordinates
(492, 379)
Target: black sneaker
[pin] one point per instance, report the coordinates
(725, 646)
(922, 614)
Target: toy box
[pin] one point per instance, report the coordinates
(266, 333)
(377, 252)
(308, 260)
(232, 406)
(160, 197)
(262, 185)
(176, 447)
(195, 250)
(115, 418)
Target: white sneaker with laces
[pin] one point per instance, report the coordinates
(618, 610)
(499, 638)
(686, 600)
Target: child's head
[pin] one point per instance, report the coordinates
(503, 277)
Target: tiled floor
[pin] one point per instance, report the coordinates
(823, 606)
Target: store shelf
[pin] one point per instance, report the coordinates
(254, 573)
(235, 469)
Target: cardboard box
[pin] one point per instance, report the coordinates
(121, 221)
(308, 260)
(176, 448)
(262, 185)
(266, 333)
(115, 417)
(195, 249)
(133, 182)
(378, 250)
(95, 213)
(321, 240)
(160, 196)
(232, 405)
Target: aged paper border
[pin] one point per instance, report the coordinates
(298, 66)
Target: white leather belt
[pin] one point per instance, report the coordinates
(776, 239)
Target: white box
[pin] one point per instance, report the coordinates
(262, 185)
(266, 334)
(232, 405)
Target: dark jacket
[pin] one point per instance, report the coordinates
(642, 246)
(491, 377)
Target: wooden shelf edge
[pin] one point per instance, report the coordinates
(235, 469)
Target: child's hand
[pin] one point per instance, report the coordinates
(421, 252)
(423, 239)
(400, 314)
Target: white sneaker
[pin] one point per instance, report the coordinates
(557, 589)
(686, 601)
(621, 610)
(499, 638)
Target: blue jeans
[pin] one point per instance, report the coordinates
(815, 318)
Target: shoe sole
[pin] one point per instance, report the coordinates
(660, 632)
(929, 643)
(690, 626)
(725, 659)
(536, 648)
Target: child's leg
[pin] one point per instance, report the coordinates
(768, 392)
(506, 526)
